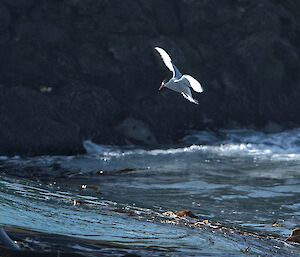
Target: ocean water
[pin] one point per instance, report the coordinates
(243, 187)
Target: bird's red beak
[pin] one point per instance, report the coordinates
(161, 86)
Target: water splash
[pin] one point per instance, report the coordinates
(277, 146)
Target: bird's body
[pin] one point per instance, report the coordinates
(182, 86)
(179, 83)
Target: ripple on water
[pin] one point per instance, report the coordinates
(242, 178)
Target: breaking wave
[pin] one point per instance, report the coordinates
(283, 145)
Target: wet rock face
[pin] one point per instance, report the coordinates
(4, 18)
(30, 124)
(34, 123)
(97, 57)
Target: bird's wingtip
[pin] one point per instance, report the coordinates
(200, 90)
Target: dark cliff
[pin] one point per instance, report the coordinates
(72, 70)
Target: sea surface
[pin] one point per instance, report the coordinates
(241, 186)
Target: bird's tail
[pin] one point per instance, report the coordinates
(188, 97)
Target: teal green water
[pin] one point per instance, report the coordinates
(244, 180)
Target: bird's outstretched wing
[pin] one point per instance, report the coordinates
(194, 84)
(168, 62)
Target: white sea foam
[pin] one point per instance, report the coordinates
(277, 146)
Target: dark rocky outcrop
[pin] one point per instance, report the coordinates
(97, 60)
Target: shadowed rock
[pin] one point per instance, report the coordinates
(137, 131)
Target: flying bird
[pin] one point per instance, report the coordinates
(179, 83)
